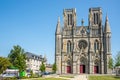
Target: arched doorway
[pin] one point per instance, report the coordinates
(96, 67)
(83, 65)
(68, 66)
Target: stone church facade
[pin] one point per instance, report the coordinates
(83, 49)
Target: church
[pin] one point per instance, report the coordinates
(83, 49)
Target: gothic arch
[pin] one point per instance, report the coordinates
(96, 46)
(83, 31)
(69, 66)
(83, 67)
(96, 66)
(83, 60)
(67, 58)
(69, 48)
(96, 62)
(68, 63)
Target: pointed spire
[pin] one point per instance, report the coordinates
(58, 29)
(45, 59)
(58, 19)
(107, 26)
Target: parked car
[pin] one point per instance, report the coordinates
(8, 75)
(44, 73)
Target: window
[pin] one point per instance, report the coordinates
(68, 19)
(28, 60)
(58, 45)
(96, 46)
(96, 17)
(68, 47)
(82, 44)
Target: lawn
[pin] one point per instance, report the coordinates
(67, 76)
(45, 79)
(49, 79)
(104, 78)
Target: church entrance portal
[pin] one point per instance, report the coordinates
(96, 69)
(83, 65)
(68, 69)
(82, 68)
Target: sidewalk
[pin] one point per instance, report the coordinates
(80, 77)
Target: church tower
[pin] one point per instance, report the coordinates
(69, 17)
(95, 22)
(107, 45)
(96, 40)
(58, 47)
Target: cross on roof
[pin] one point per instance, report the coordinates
(82, 22)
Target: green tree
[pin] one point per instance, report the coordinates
(117, 59)
(4, 64)
(110, 63)
(17, 57)
(31, 73)
(42, 67)
(54, 68)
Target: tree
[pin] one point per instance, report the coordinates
(31, 73)
(110, 63)
(42, 67)
(117, 59)
(54, 68)
(4, 64)
(18, 58)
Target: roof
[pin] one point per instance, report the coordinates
(33, 56)
(95, 8)
(70, 10)
(58, 29)
(107, 26)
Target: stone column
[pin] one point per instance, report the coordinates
(74, 67)
(86, 68)
(102, 63)
(91, 64)
(78, 67)
(92, 67)
(65, 68)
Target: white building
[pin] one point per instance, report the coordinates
(33, 62)
(118, 71)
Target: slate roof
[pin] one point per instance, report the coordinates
(33, 56)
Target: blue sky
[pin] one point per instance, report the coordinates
(32, 23)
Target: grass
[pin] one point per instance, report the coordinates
(104, 78)
(49, 79)
(67, 76)
(45, 79)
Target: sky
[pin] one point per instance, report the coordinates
(32, 23)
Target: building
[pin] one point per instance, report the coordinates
(117, 69)
(33, 62)
(48, 68)
(83, 49)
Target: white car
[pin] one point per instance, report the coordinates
(8, 75)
